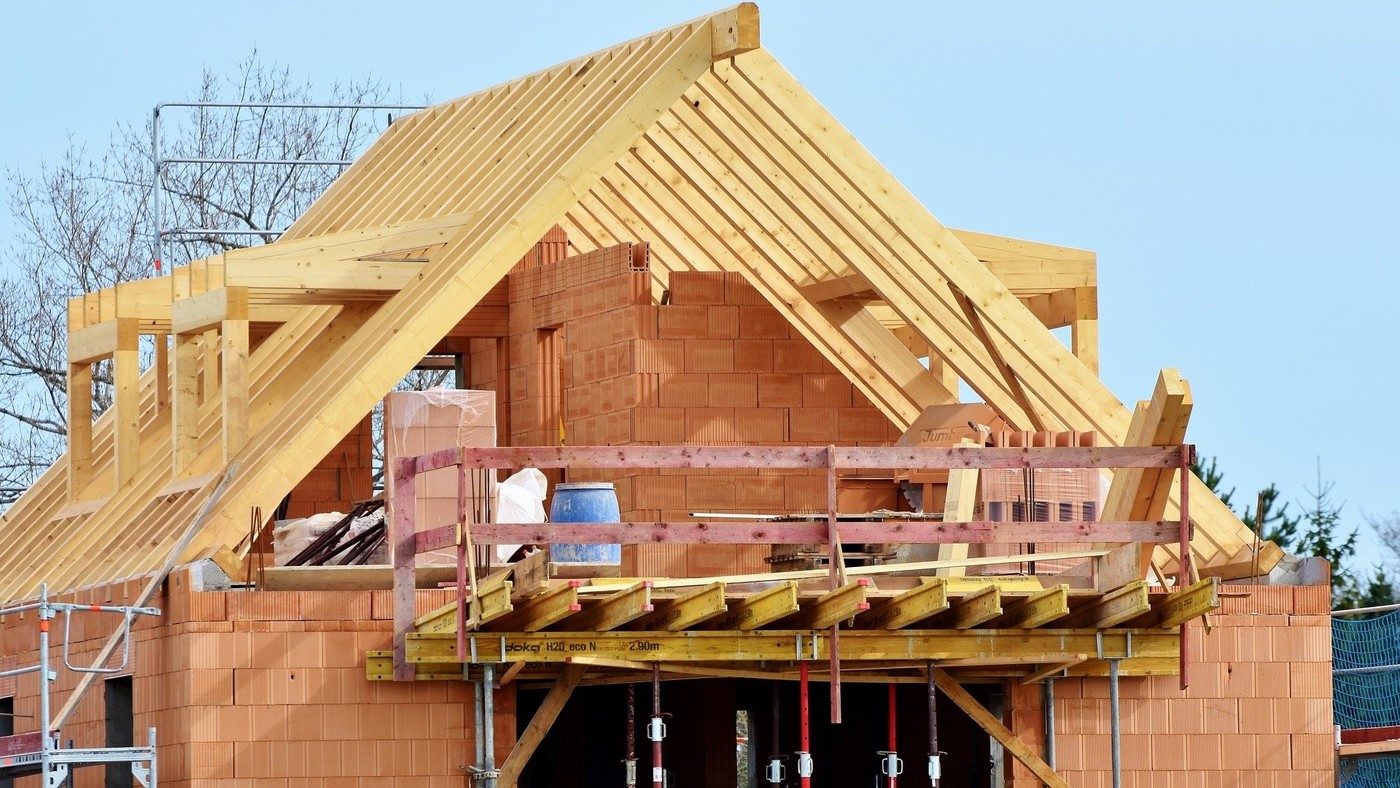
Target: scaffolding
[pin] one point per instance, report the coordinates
(41, 752)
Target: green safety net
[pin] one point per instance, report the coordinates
(1370, 699)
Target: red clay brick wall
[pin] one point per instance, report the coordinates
(267, 690)
(717, 365)
(1258, 711)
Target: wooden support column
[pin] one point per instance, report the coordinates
(958, 508)
(162, 374)
(540, 724)
(185, 402)
(235, 367)
(126, 397)
(993, 726)
(79, 428)
(1084, 329)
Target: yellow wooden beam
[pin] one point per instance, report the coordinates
(540, 611)
(907, 608)
(686, 610)
(959, 505)
(993, 726)
(857, 645)
(613, 610)
(830, 608)
(1175, 609)
(759, 609)
(234, 400)
(978, 607)
(1113, 608)
(126, 400)
(1138, 493)
(1035, 610)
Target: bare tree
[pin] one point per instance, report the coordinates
(84, 223)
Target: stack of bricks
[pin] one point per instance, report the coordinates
(1258, 711)
(266, 690)
(594, 360)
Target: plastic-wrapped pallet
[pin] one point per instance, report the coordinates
(420, 422)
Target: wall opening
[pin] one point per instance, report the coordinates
(7, 728)
(116, 694)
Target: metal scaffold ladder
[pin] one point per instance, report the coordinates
(40, 752)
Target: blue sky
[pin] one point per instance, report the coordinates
(1235, 166)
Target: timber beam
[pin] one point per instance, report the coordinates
(857, 645)
(1120, 605)
(910, 607)
(831, 608)
(613, 610)
(207, 311)
(538, 612)
(1175, 609)
(994, 727)
(1035, 610)
(759, 609)
(686, 610)
(978, 607)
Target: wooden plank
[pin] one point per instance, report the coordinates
(993, 726)
(759, 609)
(540, 724)
(1033, 611)
(767, 532)
(909, 607)
(976, 608)
(614, 610)
(1113, 608)
(97, 342)
(847, 457)
(686, 610)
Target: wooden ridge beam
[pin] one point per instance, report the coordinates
(976, 608)
(613, 610)
(1033, 611)
(993, 726)
(909, 607)
(759, 609)
(1115, 607)
(830, 608)
(686, 610)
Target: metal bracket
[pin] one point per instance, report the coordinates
(775, 771)
(891, 764)
(804, 764)
(656, 729)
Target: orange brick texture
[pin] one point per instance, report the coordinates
(592, 352)
(266, 690)
(1258, 711)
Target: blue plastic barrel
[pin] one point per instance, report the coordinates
(585, 502)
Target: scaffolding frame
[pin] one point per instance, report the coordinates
(41, 752)
(158, 164)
